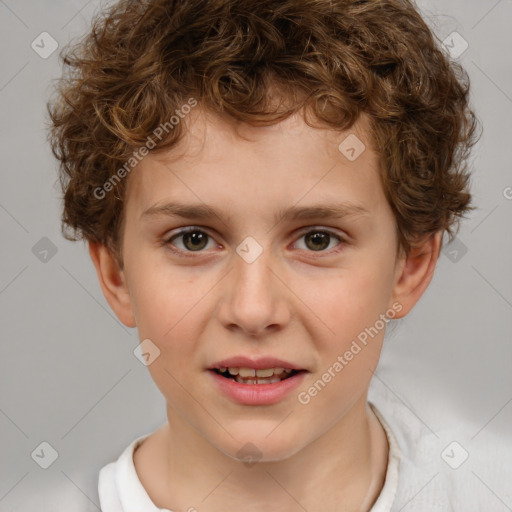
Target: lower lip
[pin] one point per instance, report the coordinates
(257, 394)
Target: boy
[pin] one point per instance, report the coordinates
(263, 186)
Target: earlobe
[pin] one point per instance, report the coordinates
(415, 272)
(112, 281)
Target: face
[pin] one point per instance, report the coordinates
(273, 276)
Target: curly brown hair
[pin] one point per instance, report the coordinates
(336, 59)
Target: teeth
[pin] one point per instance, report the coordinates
(251, 372)
(264, 373)
(257, 381)
(247, 372)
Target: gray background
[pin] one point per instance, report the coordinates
(68, 373)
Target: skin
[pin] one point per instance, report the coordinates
(293, 302)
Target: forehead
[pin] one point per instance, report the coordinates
(258, 167)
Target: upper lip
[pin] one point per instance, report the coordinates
(258, 364)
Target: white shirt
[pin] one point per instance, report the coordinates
(427, 471)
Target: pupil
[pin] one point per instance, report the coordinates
(197, 238)
(318, 238)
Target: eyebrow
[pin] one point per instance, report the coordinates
(203, 211)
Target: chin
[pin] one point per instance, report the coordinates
(254, 444)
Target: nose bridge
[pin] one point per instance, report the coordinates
(252, 268)
(252, 273)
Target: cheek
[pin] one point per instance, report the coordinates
(169, 313)
(349, 349)
(350, 301)
(165, 299)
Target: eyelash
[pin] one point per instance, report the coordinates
(191, 229)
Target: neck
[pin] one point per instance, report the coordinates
(346, 465)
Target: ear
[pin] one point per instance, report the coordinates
(415, 271)
(112, 282)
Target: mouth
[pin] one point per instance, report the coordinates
(244, 375)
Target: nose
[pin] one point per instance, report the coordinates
(253, 297)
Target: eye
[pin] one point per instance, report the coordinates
(193, 239)
(317, 240)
